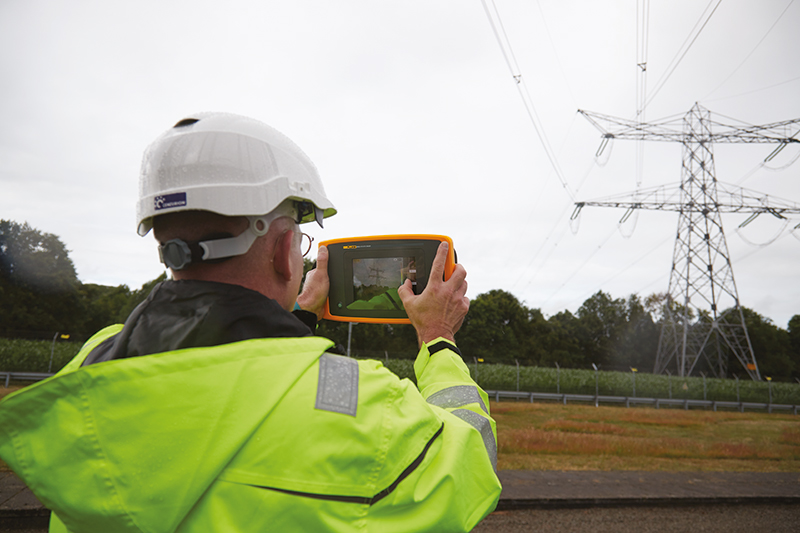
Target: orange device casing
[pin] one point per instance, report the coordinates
(352, 260)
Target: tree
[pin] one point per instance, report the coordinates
(562, 345)
(794, 344)
(496, 328)
(771, 345)
(537, 340)
(639, 343)
(35, 260)
(137, 297)
(602, 327)
(102, 305)
(38, 283)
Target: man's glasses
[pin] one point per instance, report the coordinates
(305, 243)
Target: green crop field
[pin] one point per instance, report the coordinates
(640, 384)
(34, 356)
(20, 355)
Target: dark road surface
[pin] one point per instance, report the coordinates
(761, 518)
(595, 502)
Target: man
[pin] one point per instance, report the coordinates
(214, 408)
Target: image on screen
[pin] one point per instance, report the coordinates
(376, 280)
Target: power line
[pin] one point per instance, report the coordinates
(597, 249)
(555, 51)
(755, 90)
(643, 21)
(751, 51)
(680, 55)
(558, 221)
(620, 272)
(511, 60)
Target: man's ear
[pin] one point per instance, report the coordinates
(282, 257)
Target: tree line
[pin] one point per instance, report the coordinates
(41, 295)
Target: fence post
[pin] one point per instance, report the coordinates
(704, 386)
(52, 351)
(558, 379)
(349, 336)
(670, 384)
(738, 399)
(769, 382)
(596, 387)
(633, 373)
(517, 374)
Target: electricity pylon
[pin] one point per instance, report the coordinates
(702, 315)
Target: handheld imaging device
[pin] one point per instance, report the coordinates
(365, 273)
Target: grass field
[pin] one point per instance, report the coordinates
(545, 436)
(552, 436)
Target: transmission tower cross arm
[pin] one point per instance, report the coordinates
(620, 128)
(727, 199)
(784, 132)
(671, 129)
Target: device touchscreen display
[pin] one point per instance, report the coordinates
(365, 274)
(376, 280)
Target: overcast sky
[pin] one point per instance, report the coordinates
(416, 124)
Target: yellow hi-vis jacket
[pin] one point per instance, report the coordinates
(259, 435)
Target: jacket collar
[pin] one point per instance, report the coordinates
(193, 314)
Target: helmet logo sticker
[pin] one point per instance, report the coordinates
(166, 201)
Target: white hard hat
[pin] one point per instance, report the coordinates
(230, 165)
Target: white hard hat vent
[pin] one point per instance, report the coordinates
(186, 122)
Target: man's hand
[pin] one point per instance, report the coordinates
(442, 306)
(315, 289)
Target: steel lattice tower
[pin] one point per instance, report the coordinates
(702, 315)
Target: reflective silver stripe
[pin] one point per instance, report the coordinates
(481, 424)
(457, 396)
(337, 389)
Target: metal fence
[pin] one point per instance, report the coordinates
(24, 376)
(631, 401)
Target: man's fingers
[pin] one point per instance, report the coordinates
(437, 268)
(459, 274)
(462, 290)
(404, 291)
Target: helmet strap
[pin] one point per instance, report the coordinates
(177, 254)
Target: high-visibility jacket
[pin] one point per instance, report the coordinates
(267, 434)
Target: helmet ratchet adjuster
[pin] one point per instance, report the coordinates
(177, 253)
